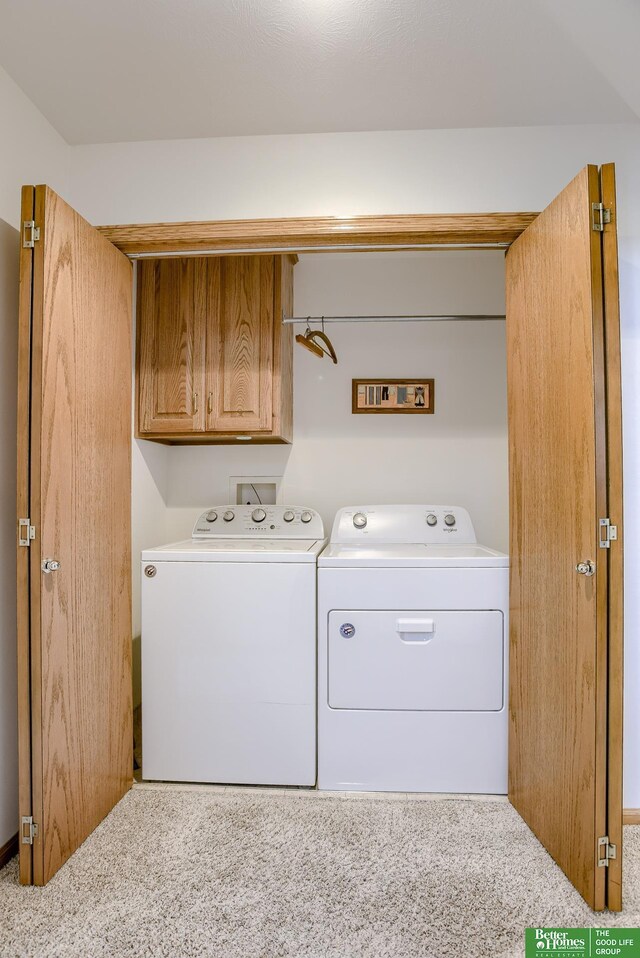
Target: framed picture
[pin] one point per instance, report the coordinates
(392, 396)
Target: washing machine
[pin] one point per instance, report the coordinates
(412, 653)
(229, 649)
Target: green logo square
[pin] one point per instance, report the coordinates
(582, 942)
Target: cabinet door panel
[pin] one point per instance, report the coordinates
(172, 300)
(240, 347)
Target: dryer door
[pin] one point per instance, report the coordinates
(416, 661)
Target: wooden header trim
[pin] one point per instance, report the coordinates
(327, 231)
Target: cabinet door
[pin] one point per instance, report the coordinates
(240, 346)
(172, 301)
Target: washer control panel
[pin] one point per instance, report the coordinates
(248, 522)
(411, 524)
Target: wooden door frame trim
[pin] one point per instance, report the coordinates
(614, 556)
(35, 492)
(602, 876)
(23, 557)
(408, 231)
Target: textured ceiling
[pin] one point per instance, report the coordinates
(155, 69)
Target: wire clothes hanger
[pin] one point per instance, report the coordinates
(310, 342)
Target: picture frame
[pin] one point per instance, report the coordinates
(393, 396)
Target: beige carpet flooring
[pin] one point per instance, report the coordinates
(178, 872)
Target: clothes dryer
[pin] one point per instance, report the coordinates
(412, 653)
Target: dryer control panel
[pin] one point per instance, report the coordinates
(254, 522)
(410, 524)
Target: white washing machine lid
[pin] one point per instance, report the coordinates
(405, 555)
(237, 550)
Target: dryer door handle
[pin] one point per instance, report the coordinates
(415, 630)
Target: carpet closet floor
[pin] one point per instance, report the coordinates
(194, 872)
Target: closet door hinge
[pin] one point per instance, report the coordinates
(28, 830)
(605, 852)
(30, 234)
(26, 532)
(607, 533)
(600, 216)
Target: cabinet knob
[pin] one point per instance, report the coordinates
(195, 404)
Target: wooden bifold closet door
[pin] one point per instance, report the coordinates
(74, 578)
(565, 700)
(74, 429)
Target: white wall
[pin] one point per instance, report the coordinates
(457, 455)
(421, 171)
(432, 171)
(32, 152)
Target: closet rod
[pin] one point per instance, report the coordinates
(336, 248)
(428, 317)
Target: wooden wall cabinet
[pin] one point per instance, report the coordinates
(214, 362)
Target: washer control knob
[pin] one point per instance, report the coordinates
(432, 520)
(306, 517)
(359, 520)
(449, 520)
(211, 516)
(258, 515)
(289, 516)
(229, 515)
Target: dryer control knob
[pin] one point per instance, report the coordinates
(306, 517)
(229, 515)
(359, 520)
(211, 516)
(289, 516)
(258, 515)
(449, 520)
(432, 520)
